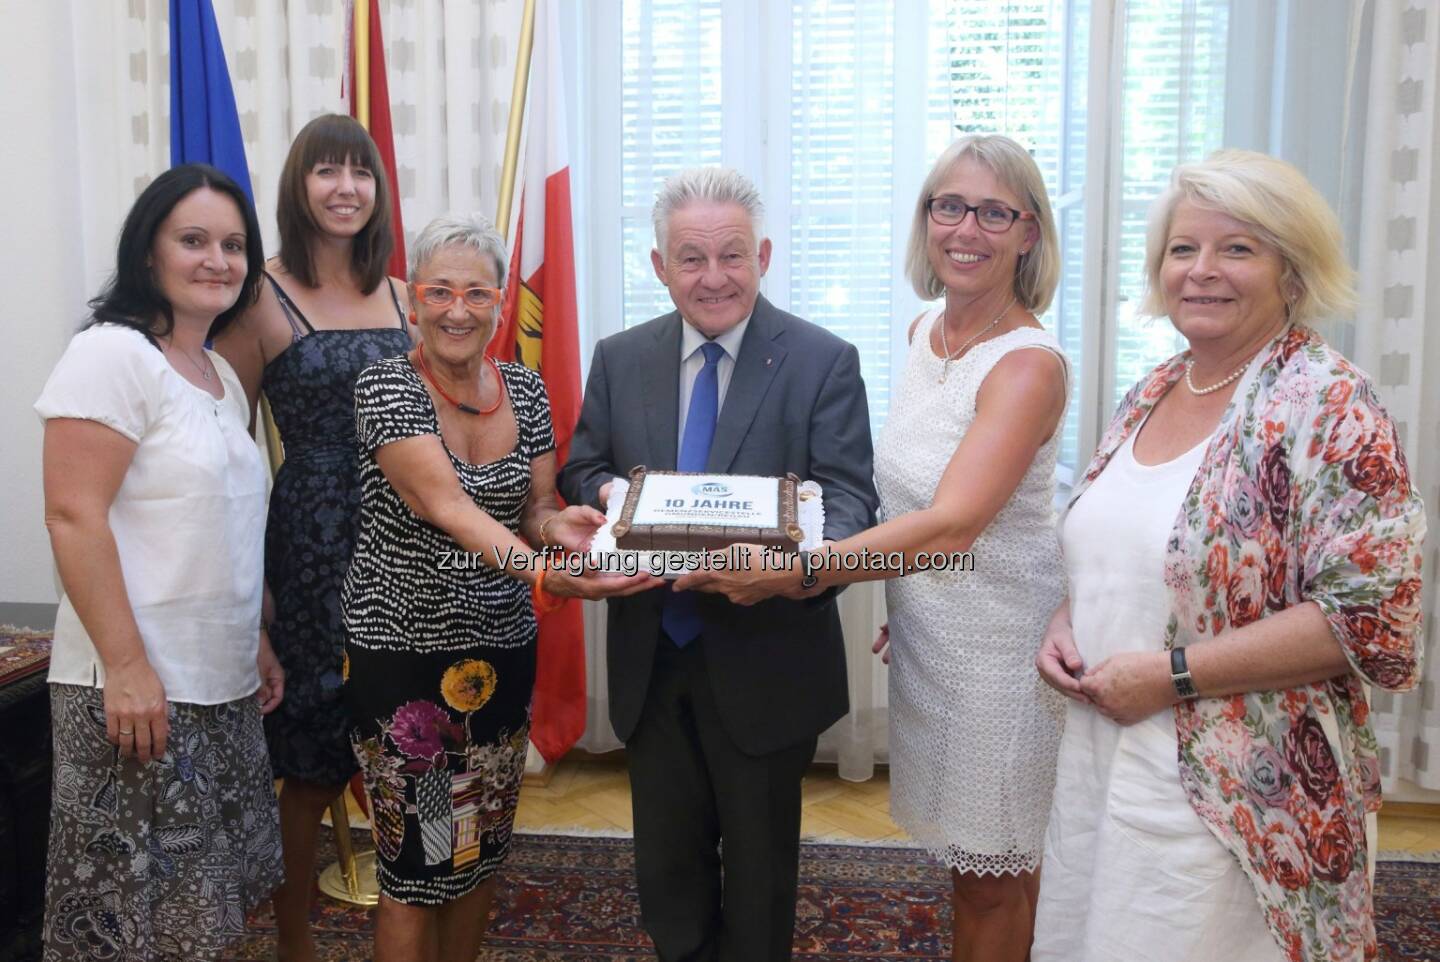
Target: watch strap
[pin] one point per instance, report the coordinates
(1180, 673)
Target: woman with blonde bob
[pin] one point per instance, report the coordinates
(1243, 557)
(966, 464)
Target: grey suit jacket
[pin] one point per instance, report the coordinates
(795, 403)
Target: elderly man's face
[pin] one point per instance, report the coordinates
(712, 265)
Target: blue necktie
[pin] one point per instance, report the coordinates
(679, 618)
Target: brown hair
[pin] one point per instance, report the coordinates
(333, 139)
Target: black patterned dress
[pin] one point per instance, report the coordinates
(310, 534)
(440, 651)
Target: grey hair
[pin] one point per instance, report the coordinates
(464, 230)
(718, 185)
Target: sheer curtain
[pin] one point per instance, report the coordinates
(1393, 225)
(450, 69)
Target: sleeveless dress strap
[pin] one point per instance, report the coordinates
(396, 298)
(291, 309)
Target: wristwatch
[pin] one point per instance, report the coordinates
(1180, 674)
(809, 567)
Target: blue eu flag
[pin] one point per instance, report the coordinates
(204, 125)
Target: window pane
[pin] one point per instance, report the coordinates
(1173, 112)
(841, 155)
(1020, 68)
(670, 112)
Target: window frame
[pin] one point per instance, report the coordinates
(756, 67)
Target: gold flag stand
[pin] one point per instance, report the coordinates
(536, 772)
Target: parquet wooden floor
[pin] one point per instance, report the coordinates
(592, 793)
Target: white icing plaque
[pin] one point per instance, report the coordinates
(727, 500)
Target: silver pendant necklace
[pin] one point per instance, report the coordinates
(204, 371)
(945, 344)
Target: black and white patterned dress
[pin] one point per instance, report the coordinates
(440, 650)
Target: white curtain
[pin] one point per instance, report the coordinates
(450, 67)
(1393, 224)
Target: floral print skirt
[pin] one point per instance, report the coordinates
(441, 739)
(157, 861)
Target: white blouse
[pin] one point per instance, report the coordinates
(1130, 871)
(188, 519)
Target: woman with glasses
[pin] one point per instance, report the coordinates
(966, 464)
(458, 491)
(326, 310)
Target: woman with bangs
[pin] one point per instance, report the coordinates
(327, 309)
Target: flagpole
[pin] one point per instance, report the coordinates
(517, 118)
(361, 59)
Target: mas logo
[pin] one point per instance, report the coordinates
(711, 489)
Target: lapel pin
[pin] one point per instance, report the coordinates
(768, 360)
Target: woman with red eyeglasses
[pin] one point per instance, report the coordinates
(457, 467)
(326, 310)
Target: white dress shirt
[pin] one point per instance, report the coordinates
(692, 360)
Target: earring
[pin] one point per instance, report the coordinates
(412, 315)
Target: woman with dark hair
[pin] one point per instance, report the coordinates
(163, 828)
(326, 312)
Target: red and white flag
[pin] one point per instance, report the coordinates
(370, 104)
(539, 327)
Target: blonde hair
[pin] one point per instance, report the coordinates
(1285, 211)
(1038, 271)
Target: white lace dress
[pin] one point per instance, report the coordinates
(974, 732)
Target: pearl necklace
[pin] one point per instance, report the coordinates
(945, 344)
(1229, 379)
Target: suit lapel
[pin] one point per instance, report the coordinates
(760, 358)
(661, 378)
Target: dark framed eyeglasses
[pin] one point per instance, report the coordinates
(438, 295)
(949, 211)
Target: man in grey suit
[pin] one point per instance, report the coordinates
(719, 705)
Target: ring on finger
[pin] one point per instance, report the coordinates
(127, 731)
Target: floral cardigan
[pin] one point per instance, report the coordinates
(1303, 496)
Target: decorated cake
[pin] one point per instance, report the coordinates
(678, 511)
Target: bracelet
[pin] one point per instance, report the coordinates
(543, 600)
(544, 538)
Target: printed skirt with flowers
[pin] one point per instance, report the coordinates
(159, 861)
(441, 739)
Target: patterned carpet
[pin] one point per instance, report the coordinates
(567, 899)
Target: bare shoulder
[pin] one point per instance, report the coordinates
(259, 334)
(402, 291)
(910, 335)
(1034, 371)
